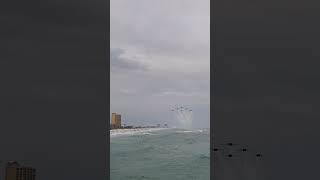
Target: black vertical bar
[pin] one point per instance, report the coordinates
(107, 43)
(212, 80)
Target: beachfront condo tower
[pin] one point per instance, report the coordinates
(115, 121)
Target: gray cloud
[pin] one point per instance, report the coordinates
(118, 62)
(179, 28)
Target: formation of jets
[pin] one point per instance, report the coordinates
(230, 149)
(180, 108)
(184, 115)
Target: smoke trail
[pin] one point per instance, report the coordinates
(184, 116)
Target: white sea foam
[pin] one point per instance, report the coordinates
(192, 131)
(184, 131)
(137, 131)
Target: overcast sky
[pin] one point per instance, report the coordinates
(160, 54)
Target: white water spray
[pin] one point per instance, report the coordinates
(184, 115)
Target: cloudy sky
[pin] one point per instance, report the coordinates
(160, 54)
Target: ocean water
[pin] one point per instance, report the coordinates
(169, 154)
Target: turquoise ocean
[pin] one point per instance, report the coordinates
(167, 154)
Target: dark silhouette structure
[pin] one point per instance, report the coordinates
(14, 171)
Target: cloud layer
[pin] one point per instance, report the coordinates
(160, 58)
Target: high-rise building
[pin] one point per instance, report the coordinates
(16, 172)
(116, 120)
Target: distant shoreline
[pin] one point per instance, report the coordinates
(132, 131)
(142, 128)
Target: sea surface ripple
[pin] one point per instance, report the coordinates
(167, 154)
